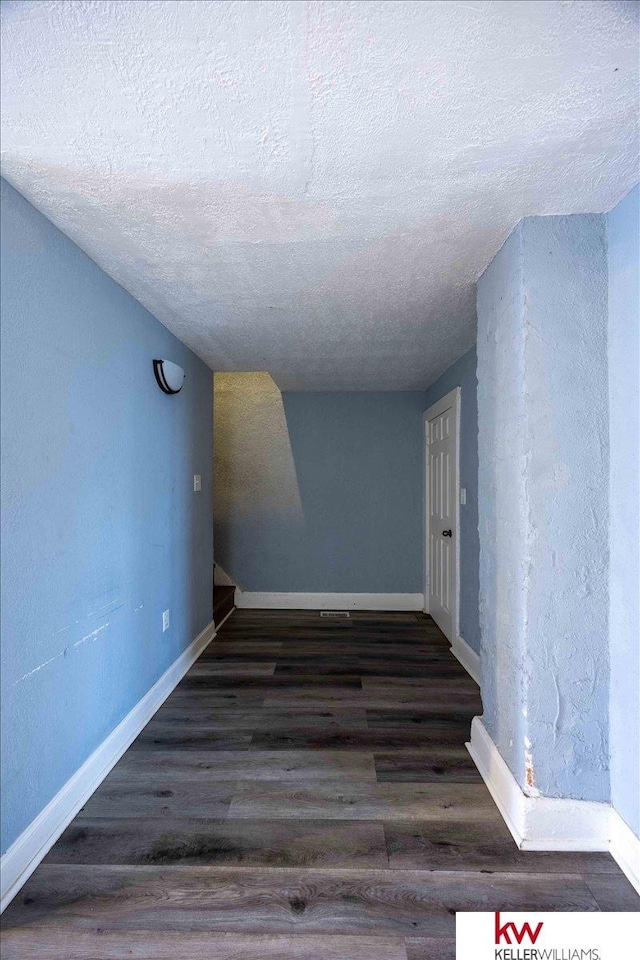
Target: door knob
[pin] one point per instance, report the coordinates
(446, 533)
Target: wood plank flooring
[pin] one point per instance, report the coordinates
(304, 794)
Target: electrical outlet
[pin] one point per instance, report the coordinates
(165, 620)
(197, 483)
(463, 496)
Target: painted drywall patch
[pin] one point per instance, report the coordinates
(254, 470)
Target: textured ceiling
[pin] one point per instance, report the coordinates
(312, 188)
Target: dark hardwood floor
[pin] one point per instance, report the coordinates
(304, 794)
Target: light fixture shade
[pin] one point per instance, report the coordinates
(169, 375)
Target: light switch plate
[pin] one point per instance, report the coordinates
(463, 496)
(197, 483)
(165, 620)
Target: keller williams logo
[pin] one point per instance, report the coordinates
(507, 930)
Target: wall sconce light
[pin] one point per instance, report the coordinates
(169, 375)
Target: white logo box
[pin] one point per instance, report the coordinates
(536, 935)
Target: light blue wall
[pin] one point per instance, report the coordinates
(624, 501)
(500, 495)
(101, 531)
(567, 474)
(463, 374)
(543, 493)
(353, 523)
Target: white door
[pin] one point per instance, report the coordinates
(441, 424)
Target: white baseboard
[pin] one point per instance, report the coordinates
(330, 601)
(548, 823)
(537, 823)
(469, 659)
(24, 855)
(625, 848)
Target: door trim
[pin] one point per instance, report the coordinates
(451, 399)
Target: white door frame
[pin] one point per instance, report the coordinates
(451, 399)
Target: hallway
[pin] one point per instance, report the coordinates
(304, 793)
